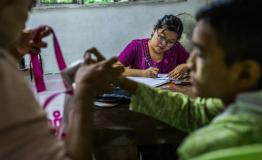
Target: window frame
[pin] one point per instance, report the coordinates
(80, 4)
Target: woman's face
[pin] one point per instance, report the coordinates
(163, 40)
(13, 15)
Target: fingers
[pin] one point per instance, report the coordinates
(110, 62)
(153, 72)
(154, 75)
(114, 70)
(106, 65)
(174, 74)
(99, 75)
(35, 50)
(119, 64)
(178, 72)
(40, 44)
(88, 60)
(35, 47)
(46, 31)
(177, 76)
(155, 69)
(181, 76)
(27, 44)
(151, 69)
(39, 33)
(93, 51)
(170, 73)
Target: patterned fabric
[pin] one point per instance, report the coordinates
(230, 131)
(136, 55)
(174, 108)
(240, 124)
(246, 152)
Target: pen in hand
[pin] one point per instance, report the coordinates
(151, 72)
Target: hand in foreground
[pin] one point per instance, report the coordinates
(150, 72)
(91, 56)
(27, 44)
(178, 72)
(95, 78)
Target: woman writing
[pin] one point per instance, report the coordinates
(162, 53)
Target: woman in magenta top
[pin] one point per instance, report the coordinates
(161, 54)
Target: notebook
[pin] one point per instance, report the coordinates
(153, 82)
(176, 81)
(159, 80)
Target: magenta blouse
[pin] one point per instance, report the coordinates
(136, 55)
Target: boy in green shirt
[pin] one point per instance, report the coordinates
(225, 63)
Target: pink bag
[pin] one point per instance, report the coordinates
(52, 93)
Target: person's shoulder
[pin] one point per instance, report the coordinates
(140, 41)
(137, 43)
(3, 53)
(5, 57)
(180, 48)
(179, 45)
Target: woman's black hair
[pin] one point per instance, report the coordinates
(171, 23)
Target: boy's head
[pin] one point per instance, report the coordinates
(13, 14)
(227, 54)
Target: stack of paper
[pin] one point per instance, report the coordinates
(153, 82)
(160, 80)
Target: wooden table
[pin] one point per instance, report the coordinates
(118, 131)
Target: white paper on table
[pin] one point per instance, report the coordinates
(153, 82)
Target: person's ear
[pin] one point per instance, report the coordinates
(249, 74)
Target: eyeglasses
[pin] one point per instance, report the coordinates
(162, 39)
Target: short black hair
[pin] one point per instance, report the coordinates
(237, 27)
(171, 23)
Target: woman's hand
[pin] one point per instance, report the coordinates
(178, 72)
(150, 72)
